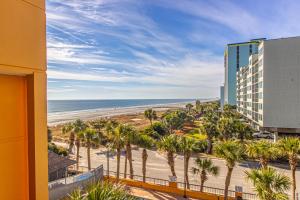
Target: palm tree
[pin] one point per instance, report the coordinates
(129, 135)
(204, 167)
(115, 135)
(231, 152)
(269, 184)
(79, 137)
(189, 107)
(226, 127)
(89, 135)
(174, 121)
(99, 125)
(169, 144)
(68, 128)
(228, 111)
(198, 106)
(110, 126)
(78, 127)
(209, 128)
(150, 114)
(291, 148)
(146, 142)
(187, 146)
(262, 150)
(242, 130)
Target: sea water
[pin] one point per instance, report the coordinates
(55, 106)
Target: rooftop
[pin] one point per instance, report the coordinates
(56, 162)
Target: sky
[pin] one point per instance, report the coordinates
(153, 49)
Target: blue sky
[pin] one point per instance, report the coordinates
(129, 49)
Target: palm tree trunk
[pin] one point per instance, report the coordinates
(77, 153)
(263, 163)
(209, 145)
(186, 169)
(129, 156)
(118, 163)
(144, 157)
(71, 145)
(171, 163)
(89, 154)
(125, 166)
(293, 168)
(201, 185)
(226, 136)
(242, 137)
(203, 178)
(227, 182)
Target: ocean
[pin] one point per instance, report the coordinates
(55, 106)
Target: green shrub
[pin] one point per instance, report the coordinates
(102, 191)
(58, 150)
(156, 131)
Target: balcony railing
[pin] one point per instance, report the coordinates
(181, 185)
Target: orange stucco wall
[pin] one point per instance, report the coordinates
(23, 113)
(13, 138)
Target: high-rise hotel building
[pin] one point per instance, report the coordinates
(236, 56)
(268, 86)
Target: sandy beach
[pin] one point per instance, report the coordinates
(64, 117)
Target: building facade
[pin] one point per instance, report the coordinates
(236, 56)
(268, 88)
(249, 91)
(23, 108)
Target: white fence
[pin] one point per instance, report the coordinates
(62, 187)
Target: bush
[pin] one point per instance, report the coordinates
(102, 191)
(49, 133)
(201, 146)
(58, 150)
(159, 128)
(156, 131)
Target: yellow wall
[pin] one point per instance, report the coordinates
(169, 189)
(23, 119)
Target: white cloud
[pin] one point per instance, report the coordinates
(170, 68)
(61, 52)
(60, 90)
(190, 71)
(83, 76)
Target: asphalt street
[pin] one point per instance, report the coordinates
(157, 167)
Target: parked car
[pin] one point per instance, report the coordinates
(265, 135)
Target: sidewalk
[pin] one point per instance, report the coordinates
(153, 195)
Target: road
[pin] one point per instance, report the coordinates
(157, 167)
